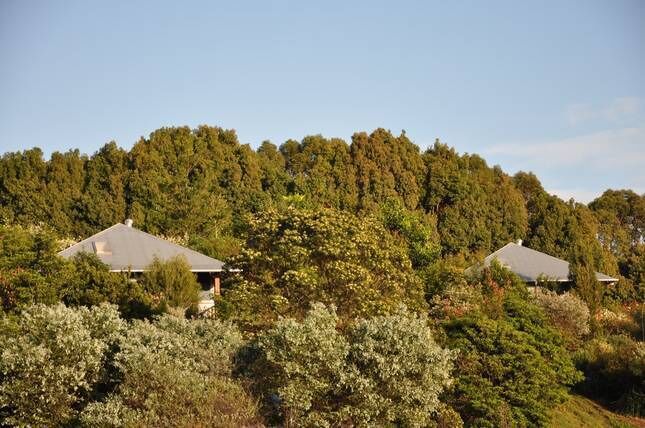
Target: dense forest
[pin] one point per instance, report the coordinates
(351, 307)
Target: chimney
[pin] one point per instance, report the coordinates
(519, 241)
(128, 222)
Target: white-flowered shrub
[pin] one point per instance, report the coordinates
(567, 312)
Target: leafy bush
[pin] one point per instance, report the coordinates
(568, 313)
(164, 393)
(385, 370)
(511, 365)
(30, 270)
(203, 346)
(175, 372)
(172, 282)
(398, 371)
(51, 359)
(90, 283)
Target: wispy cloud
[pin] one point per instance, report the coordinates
(580, 167)
(613, 148)
(580, 195)
(617, 110)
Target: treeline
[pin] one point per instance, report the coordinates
(199, 183)
(349, 305)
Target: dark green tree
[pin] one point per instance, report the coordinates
(103, 201)
(387, 166)
(64, 186)
(22, 187)
(322, 171)
(478, 208)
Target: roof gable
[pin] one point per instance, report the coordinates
(532, 265)
(125, 248)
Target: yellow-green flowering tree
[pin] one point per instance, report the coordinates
(296, 256)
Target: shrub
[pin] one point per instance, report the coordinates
(162, 393)
(172, 282)
(511, 366)
(30, 270)
(51, 358)
(91, 283)
(203, 346)
(501, 377)
(398, 371)
(383, 371)
(175, 372)
(301, 369)
(568, 313)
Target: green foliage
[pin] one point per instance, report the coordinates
(420, 237)
(582, 273)
(51, 358)
(30, 270)
(155, 395)
(91, 283)
(623, 219)
(172, 283)
(275, 179)
(633, 268)
(323, 170)
(64, 185)
(301, 368)
(511, 366)
(383, 371)
(78, 366)
(386, 167)
(22, 187)
(103, 201)
(400, 370)
(478, 208)
(295, 257)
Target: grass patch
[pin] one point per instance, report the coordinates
(582, 412)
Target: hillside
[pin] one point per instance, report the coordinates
(582, 412)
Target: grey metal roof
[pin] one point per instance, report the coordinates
(531, 265)
(125, 248)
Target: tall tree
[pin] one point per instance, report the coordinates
(180, 178)
(275, 180)
(23, 188)
(387, 166)
(478, 208)
(64, 186)
(322, 170)
(103, 200)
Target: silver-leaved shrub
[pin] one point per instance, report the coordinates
(50, 359)
(175, 372)
(567, 312)
(382, 371)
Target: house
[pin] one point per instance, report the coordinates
(127, 249)
(533, 266)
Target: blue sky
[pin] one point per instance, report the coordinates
(556, 87)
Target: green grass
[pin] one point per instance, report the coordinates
(582, 412)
